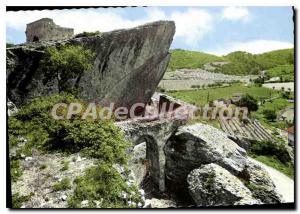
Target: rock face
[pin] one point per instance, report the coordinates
(196, 145)
(208, 151)
(128, 66)
(212, 185)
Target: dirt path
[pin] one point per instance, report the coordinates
(284, 185)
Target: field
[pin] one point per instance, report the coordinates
(203, 96)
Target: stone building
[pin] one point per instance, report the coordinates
(45, 29)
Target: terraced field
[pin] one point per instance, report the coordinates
(250, 130)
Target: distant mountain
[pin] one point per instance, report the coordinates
(240, 63)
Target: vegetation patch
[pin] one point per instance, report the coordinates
(15, 169)
(272, 154)
(87, 34)
(18, 200)
(64, 184)
(64, 63)
(65, 166)
(274, 162)
(284, 72)
(96, 139)
(103, 186)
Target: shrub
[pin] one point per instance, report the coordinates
(15, 170)
(97, 139)
(269, 148)
(64, 184)
(65, 62)
(65, 166)
(249, 102)
(270, 114)
(87, 34)
(18, 200)
(103, 183)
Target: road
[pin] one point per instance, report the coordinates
(284, 185)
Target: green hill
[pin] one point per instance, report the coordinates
(241, 63)
(275, 58)
(190, 59)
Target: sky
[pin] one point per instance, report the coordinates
(215, 30)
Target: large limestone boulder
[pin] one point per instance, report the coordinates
(128, 66)
(212, 185)
(195, 145)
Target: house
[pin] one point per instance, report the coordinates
(291, 137)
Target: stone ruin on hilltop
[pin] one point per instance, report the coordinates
(45, 29)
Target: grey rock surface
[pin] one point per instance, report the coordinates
(195, 145)
(212, 185)
(128, 66)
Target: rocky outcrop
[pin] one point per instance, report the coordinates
(196, 145)
(207, 150)
(212, 185)
(127, 68)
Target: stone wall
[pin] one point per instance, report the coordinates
(45, 29)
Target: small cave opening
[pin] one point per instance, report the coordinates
(35, 39)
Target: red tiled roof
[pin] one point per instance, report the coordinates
(291, 130)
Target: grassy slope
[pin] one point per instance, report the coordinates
(284, 71)
(190, 59)
(287, 169)
(241, 62)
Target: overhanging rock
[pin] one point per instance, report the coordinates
(128, 66)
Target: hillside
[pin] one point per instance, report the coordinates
(190, 59)
(241, 63)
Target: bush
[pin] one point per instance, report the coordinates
(249, 102)
(87, 34)
(97, 139)
(18, 200)
(65, 62)
(103, 183)
(64, 184)
(270, 114)
(269, 148)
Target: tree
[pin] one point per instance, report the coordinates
(66, 62)
(249, 102)
(270, 114)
